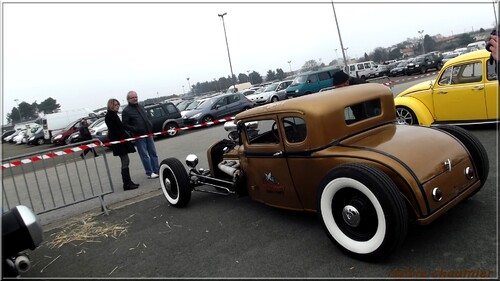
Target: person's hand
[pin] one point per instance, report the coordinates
(494, 46)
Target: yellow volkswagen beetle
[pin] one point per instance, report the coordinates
(464, 92)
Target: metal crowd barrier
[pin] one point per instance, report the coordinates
(56, 178)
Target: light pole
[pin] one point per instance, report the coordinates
(345, 55)
(18, 111)
(183, 92)
(189, 85)
(421, 32)
(227, 45)
(340, 38)
(290, 65)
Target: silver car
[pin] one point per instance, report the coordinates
(272, 93)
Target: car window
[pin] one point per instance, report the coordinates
(221, 102)
(234, 98)
(324, 76)
(352, 68)
(171, 108)
(264, 132)
(156, 112)
(462, 74)
(313, 78)
(362, 111)
(295, 129)
(360, 66)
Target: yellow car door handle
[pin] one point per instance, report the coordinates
(441, 93)
(478, 88)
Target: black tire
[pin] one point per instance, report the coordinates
(362, 211)
(171, 129)
(40, 141)
(405, 116)
(476, 150)
(423, 70)
(207, 119)
(174, 182)
(274, 99)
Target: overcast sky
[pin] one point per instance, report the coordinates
(82, 54)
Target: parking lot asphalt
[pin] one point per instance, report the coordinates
(230, 237)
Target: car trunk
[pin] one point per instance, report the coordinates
(441, 165)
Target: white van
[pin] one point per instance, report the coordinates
(363, 70)
(479, 45)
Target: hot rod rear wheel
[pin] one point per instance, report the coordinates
(174, 182)
(475, 148)
(362, 211)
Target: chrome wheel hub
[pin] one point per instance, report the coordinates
(351, 215)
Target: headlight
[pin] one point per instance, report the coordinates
(197, 115)
(417, 65)
(297, 91)
(104, 133)
(32, 138)
(57, 137)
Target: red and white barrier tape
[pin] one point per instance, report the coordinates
(389, 83)
(96, 144)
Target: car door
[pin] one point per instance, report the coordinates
(220, 108)
(265, 164)
(156, 115)
(459, 93)
(325, 80)
(281, 89)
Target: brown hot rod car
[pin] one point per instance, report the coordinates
(339, 153)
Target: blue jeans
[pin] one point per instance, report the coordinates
(147, 151)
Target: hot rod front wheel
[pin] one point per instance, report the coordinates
(174, 182)
(362, 211)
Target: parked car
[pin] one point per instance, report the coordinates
(62, 137)
(400, 69)
(464, 92)
(272, 93)
(164, 117)
(423, 63)
(381, 70)
(37, 137)
(310, 82)
(183, 104)
(449, 56)
(97, 124)
(341, 154)
(6, 134)
(19, 138)
(10, 137)
(216, 107)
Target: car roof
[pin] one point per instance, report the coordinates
(327, 107)
(469, 56)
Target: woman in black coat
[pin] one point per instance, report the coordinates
(117, 132)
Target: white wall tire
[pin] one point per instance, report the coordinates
(362, 211)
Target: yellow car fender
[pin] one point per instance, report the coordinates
(421, 111)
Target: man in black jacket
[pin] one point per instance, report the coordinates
(342, 79)
(135, 120)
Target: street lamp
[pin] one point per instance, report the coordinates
(422, 37)
(345, 56)
(189, 85)
(18, 111)
(290, 65)
(227, 45)
(340, 38)
(183, 92)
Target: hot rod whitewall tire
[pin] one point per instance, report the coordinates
(174, 182)
(475, 148)
(362, 211)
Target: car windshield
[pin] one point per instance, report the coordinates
(194, 104)
(299, 80)
(184, 104)
(271, 87)
(402, 64)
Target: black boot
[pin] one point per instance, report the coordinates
(127, 181)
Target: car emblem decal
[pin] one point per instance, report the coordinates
(271, 184)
